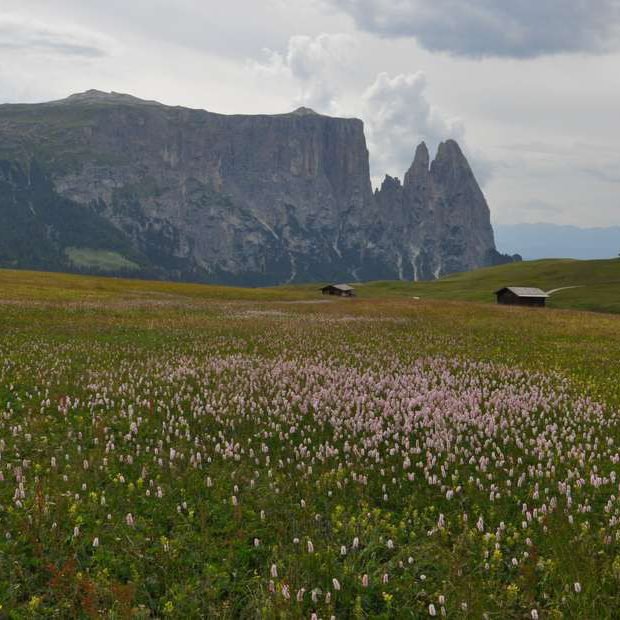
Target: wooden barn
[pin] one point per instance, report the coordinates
(521, 296)
(342, 290)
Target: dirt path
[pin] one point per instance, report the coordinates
(564, 288)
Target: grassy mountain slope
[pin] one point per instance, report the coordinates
(39, 229)
(598, 285)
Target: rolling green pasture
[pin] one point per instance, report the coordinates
(171, 450)
(596, 285)
(99, 259)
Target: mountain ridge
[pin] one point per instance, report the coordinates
(237, 199)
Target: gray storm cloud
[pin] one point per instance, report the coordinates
(479, 28)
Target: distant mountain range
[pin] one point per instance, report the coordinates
(108, 183)
(533, 241)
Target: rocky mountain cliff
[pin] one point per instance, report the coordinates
(111, 183)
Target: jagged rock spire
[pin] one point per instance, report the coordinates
(420, 167)
(440, 219)
(450, 162)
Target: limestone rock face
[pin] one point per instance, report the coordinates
(439, 221)
(240, 199)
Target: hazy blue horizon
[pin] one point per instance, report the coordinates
(545, 240)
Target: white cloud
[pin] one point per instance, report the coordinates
(508, 28)
(27, 35)
(395, 109)
(398, 117)
(314, 65)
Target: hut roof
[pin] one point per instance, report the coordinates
(340, 287)
(523, 291)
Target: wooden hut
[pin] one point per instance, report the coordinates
(521, 296)
(342, 290)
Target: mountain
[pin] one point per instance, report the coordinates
(111, 183)
(536, 241)
(437, 220)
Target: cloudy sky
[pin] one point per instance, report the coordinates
(531, 88)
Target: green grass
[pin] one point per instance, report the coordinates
(597, 282)
(102, 260)
(101, 379)
(54, 286)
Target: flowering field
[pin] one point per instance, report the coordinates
(161, 456)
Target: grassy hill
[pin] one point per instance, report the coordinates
(598, 283)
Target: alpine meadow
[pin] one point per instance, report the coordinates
(174, 450)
